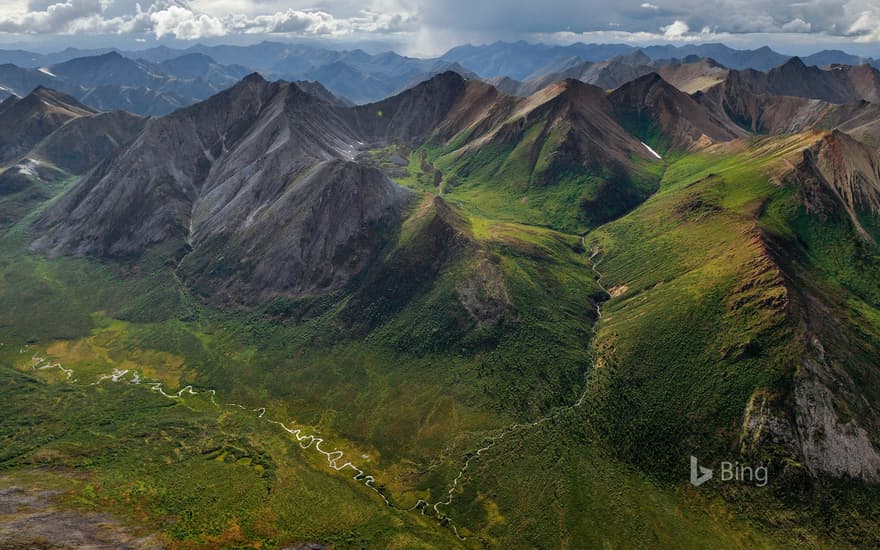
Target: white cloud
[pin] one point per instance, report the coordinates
(55, 18)
(866, 28)
(650, 6)
(676, 30)
(797, 25)
(185, 24)
(178, 19)
(290, 21)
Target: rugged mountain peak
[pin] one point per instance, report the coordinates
(692, 76)
(447, 80)
(649, 104)
(8, 102)
(571, 91)
(60, 99)
(412, 114)
(840, 85)
(568, 100)
(794, 63)
(26, 121)
(254, 78)
(637, 57)
(840, 173)
(259, 175)
(648, 80)
(477, 108)
(318, 90)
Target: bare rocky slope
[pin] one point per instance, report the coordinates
(237, 179)
(689, 75)
(844, 178)
(835, 84)
(26, 121)
(85, 141)
(652, 106)
(567, 124)
(47, 137)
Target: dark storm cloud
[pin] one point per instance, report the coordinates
(738, 16)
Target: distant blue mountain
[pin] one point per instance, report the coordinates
(160, 79)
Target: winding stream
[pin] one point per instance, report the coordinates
(491, 442)
(305, 441)
(311, 441)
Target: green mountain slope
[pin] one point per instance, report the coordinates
(557, 158)
(741, 325)
(729, 266)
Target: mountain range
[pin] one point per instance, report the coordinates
(161, 79)
(507, 305)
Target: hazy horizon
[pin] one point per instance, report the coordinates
(374, 48)
(425, 28)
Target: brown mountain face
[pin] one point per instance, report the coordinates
(478, 110)
(563, 139)
(607, 74)
(860, 119)
(836, 84)
(579, 116)
(840, 175)
(411, 115)
(758, 113)
(794, 98)
(25, 121)
(84, 142)
(827, 418)
(668, 118)
(688, 76)
(47, 137)
(776, 114)
(692, 77)
(594, 139)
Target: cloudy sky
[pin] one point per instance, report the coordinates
(431, 26)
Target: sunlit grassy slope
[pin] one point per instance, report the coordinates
(521, 182)
(707, 274)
